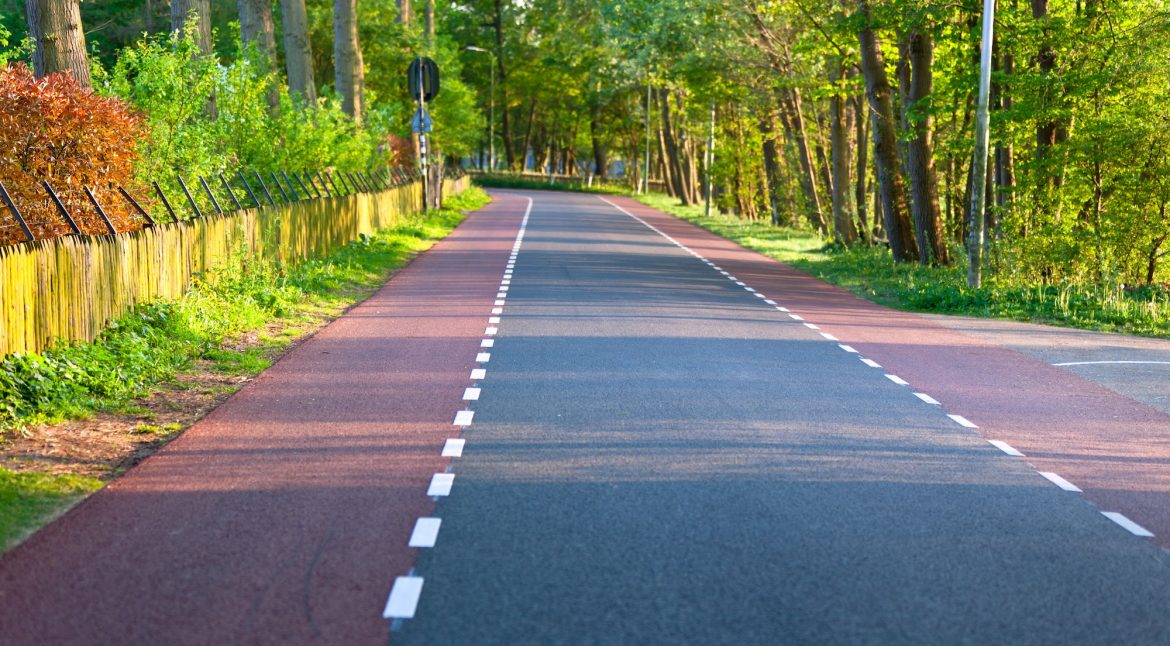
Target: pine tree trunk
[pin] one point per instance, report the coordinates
(347, 58)
(881, 105)
(917, 52)
(298, 52)
(59, 40)
(257, 26)
(181, 12)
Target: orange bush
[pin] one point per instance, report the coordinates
(53, 129)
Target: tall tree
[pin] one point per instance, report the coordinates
(916, 49)
(298, 52)
(257, 26)
(405, 13)
(348, 73)
(199, 10)
(55, 29)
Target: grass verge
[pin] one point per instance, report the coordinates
(870, 273)
(228, 328)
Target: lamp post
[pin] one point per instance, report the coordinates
(492, 102)
(979, 163)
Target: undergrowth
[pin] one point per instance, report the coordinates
(533, 183)
(153, 342)
(871, 273)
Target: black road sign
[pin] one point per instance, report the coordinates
(423, 70)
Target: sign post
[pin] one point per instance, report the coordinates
(422, 80)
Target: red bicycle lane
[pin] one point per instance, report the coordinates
(284, 515)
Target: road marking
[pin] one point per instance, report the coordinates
(497, 310)
(749, 289)
(478, 373)
(1129, 525)
(453, 447)
(898, 380)
(928, 399)
(487, 343)
(847, 348)
(1004, 446)
(441, 484)
(483, 357)
(716, 268)
(758, 295)
(769, 301)
(796, 317)
(501, 295)
(505, 282)
(829, 336)
(403, 599)
(740, 283)
(463, 418)
(426, 530)
(1090, 363)
(499, 302)
(782, 308)
(962, 421)
(493, 319)
(724, 273)
(504, 289)
(871, 363)
(491, 331)
(811, 326)
(471, 394)
(1060, 482)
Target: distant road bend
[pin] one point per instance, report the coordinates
(578, 420)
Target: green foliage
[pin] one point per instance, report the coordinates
(28, 500)
(535, 183)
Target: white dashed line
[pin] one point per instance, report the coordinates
(811, 326)
(497, 310)
(463, 418)
(769, 301)
(758, 295)
(749, 289)
(471, 394)
(493, 320)
(1060, 482)
(478, 373)
(962, 421)
(500, 302)
(403, 599)
(453, 447)
(441, 484)
(829, 336)
(871, 363)
(426, 530)
(1005, 447)
(504, 289)
(1129, 525)
(782, 308)
(796, 317)
(740, 283)
(491, 331)
(502, 295)
(483, 357)
(847, 348)
(927, 398)
(487, 343)
(898, 380)
(506, 282)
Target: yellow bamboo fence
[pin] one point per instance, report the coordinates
(70, 288)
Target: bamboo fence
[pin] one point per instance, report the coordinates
(70, 288)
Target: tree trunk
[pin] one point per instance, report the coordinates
(528, 137)
(298, 52)
(862, 167)
(672, 151)
(664, 166)
(600, 162)
(773, 184)
(347, 62)
(881, 106)
(790, 112)
(257, 26)
(1005, 170)
(181, 12)
(917, 51)
(404, 13)
(59, 40)
(841, 129)
(498, 27)
(429, 14)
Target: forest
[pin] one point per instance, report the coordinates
(852, 119)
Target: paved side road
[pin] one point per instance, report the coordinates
(681, 441)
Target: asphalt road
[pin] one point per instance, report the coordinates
(659, 455)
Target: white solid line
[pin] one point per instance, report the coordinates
(796, 317)
(487, 343)
(426, 530)
(483, 357)
(491, 330)
(478, 373)
(829, 336)
(471, 394)
(1060, 482)
(927, 398)
(898, 380)
(403, 599)
(463, 418)
(871, 363)
(1006, 448)
(441, 484)
(811, 326)
(769, 301)
(847, 348)
(453, 447)
(1129, 525)
(497, 310)
(493, 319)
(962, 421)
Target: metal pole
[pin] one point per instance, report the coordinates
(646, 161)
(710, 160)
(979, 163)
(422, 137)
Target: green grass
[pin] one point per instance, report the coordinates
(870, 273)
(29, 500)
(532, 183)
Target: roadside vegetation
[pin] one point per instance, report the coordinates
(235, 322)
